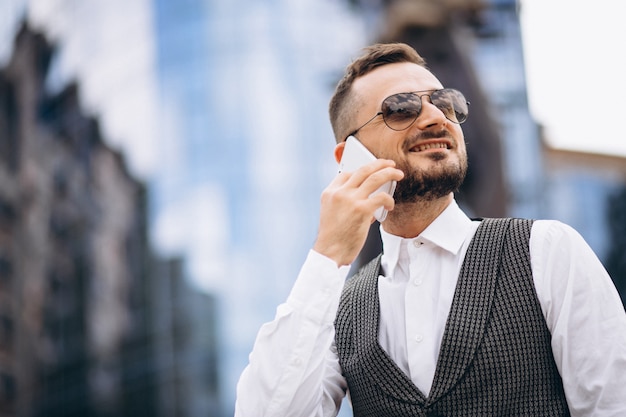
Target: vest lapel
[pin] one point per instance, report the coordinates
(471, 306)
(383, 370)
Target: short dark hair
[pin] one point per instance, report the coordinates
(373, 57)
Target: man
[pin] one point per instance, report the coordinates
(457, 317)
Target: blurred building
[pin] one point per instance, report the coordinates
(588, 192)
(184, 323)
(81, 312)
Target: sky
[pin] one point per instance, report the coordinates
(575, 70)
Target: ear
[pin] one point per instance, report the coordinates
(339, 151)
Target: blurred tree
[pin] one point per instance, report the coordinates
(616, 260)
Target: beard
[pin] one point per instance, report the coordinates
(429, 185)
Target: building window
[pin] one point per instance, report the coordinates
(6, 333)
(8, 128)
(7, 390)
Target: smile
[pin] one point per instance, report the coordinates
(430, 145)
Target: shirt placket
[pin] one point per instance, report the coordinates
(420, 305)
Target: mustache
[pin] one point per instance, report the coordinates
(427, 135)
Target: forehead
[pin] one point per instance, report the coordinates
(389, 79)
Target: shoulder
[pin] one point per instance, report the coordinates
(503, 225)
(564, 265)
(554, 235)
(556, 247)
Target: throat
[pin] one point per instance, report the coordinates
(408, 220)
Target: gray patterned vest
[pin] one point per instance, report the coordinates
(495, 357)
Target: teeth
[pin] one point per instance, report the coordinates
(426, 146)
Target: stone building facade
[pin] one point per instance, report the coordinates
(79, 334)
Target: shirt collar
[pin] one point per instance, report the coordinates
(448, 231)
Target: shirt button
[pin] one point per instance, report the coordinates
(417, 282)
(419, 338)
(417, 243)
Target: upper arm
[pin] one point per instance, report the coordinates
(585, 316)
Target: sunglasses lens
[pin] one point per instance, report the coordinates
(401, 110)
(452, 103)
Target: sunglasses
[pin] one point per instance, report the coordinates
(400, 111)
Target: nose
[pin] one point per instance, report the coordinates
(430, 116)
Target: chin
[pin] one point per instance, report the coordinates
(431, 183)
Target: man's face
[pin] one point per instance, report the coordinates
(431, 152)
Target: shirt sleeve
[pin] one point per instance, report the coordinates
(586, 318)
(293, 369)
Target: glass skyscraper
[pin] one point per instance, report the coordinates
(220, 106)
(247, 147)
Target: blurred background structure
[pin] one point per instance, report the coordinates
(160, 169)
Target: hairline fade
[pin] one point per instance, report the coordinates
(374, 56)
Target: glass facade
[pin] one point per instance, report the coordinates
(246, 147)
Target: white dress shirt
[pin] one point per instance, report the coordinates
(294, 369)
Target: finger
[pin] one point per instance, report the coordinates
(380, 199)
(379, 178)
(364, 172)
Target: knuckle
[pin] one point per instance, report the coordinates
(328, 195)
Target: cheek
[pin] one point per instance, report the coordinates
(385, 146)
(390, 152)
(457, 133)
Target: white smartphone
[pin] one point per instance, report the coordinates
(355, 155)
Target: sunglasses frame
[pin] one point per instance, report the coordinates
(429, 94)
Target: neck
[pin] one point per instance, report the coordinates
(408, 220)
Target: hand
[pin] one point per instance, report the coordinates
(347, 211)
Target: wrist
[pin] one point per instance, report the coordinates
(333, 253)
